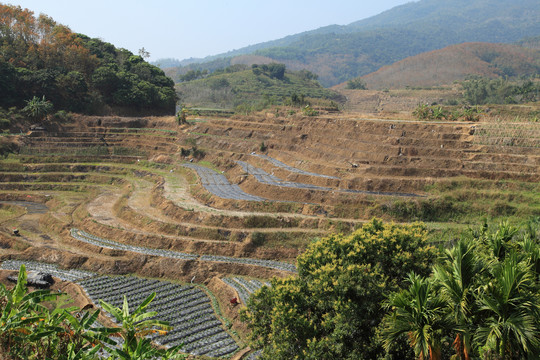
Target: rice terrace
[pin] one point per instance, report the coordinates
(221, 201)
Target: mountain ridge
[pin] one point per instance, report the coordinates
(348, 51)
(456, 63)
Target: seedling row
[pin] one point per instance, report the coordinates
(68, 275)
(244, 287)
(187, 309)
(110, 244)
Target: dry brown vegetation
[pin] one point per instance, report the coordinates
(443, 172)
(455, 63)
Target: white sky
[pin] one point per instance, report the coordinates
(183, 29)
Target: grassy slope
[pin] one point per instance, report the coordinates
(232, 89)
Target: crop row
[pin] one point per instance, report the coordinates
(278, 265)
(244, 287)
(254, 355)
(220, 186)
(268, 179)
(68, 275)
(110, 244)
(290, 168)
(187, 309)
(94, 240)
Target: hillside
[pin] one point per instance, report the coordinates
(41, 59)
(257, 86)
(339, 53)
(455, 63)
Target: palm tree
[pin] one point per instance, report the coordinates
(511, 307)
(417, 313)
(457, 276)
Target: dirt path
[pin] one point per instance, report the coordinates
(140, 202)
(176, 189)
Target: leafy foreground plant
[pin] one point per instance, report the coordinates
(135, 327)
(29, 330)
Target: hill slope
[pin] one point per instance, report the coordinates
(241, 85)
(338, 53)
(41, 58)
(455, 63)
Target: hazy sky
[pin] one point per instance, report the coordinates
(183, 29)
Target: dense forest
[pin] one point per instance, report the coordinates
(41, 60)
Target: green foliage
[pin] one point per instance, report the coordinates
(357, 84)
(30, 330)
(135, 327)
(245, 91)
(193, 75)
(309, 111)
(417, 312)
(181, 116)
(38, 108)
(437, 112)
(483, 298)
(479, 91)
(75, 72)
(332, 308)
(297, 100)
(273, 70)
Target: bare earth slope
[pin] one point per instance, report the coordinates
(455, 63)
(144, 196)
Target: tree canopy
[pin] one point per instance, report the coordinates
(39, 57)
(380, 293)
(332, 309)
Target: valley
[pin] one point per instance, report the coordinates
(206, 202)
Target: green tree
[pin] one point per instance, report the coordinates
(457, 277)
(511, 309)
(356, 84)
(331, 310)
(29, 330)
(489, 288)
(417, 312)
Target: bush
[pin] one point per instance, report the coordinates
(5, 123)
(309, 111)
(62, 115)
(356, 84)
(258, 238)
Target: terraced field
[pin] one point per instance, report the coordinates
(203, 204)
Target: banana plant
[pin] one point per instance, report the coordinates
(135, 327)
(22, 312)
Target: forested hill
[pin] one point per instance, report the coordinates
(41, 58)
(340, 53)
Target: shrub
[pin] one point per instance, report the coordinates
(356, 84)
(5, 123)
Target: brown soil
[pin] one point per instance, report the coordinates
(143, 196)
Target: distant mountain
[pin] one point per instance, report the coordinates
(455, 63)
(339, 53)
(531, 42)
